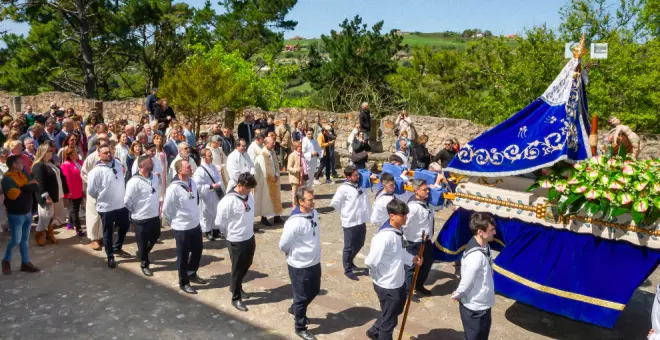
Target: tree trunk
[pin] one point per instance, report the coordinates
(86, 51)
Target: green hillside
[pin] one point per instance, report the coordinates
(433, 40)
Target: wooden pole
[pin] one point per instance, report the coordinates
(412, 285)
(593, 136)
(300, 173)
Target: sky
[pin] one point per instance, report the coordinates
(316, 17)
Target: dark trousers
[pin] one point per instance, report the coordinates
(147, 233)
(109, 219)
(188, 253)
(353, 242)
(284, 156)
(333, 163)
(325, 165)
(425, 269)
(476, 324)
(241, 255)
(74, 213)
(392, 302)
(306, 283)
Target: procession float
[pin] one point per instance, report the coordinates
(577, 232)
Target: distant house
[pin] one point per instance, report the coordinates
(512, 36)
(398, 32)
(291, 48)
(478, 35)
(297, 37)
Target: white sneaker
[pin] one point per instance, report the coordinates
(317, 182)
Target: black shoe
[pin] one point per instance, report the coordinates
(121, 253)
(216, 233)
(290, 310)
(209, 236)
(238, 304)
(423, 291)
(305, 334)
(147, 272)
(188, 289)
(196, 279)
(265, 222)
(278, 220)
(352, 276)
(111, 263)
(244, 295)
(415, 298)
(371, 334)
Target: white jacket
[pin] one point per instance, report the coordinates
(301, 240)
(476, 290)
(105, 183)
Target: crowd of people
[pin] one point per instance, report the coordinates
(158, 172)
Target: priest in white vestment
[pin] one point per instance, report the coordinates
(219, 158)
(267, 196)
(312, 152)
(256, 147)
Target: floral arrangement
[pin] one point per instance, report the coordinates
(605, 186)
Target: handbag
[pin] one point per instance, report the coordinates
(218, 192)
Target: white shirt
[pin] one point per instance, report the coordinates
(476, 290)
(404, 157)
(352, 204)
(379, 214)
(142, 198)
(107, 186)
(387, 258)
(420, 218)
(235, 217)
(254, 150)
(238, 163)
(157, 170)
(121, 152)
(310, 146)
(301, 240)
(180, 205)
(204, 182)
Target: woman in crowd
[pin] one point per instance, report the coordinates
(144, 120)
(90, 123)
(149, 132)
(69, 113)
(404, 123)
(51, 191)
(295, 164)
(160, 156)
(80, 133)
(133, 154)
(69, 141)
(71, 168)
(360, 149)
(16, 149)
(12, 136)
(3, 169)
(19, 192)
(420, 154)
(298, 132)
(121, 150)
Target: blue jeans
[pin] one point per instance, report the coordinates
(19, 226)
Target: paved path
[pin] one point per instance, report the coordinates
(77, 297)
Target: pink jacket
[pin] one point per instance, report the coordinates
(73, 179)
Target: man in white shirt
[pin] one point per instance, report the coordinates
(92, 218)
(386, 261)
(301, 243)
(404, 153)
(256, 147)
(105, 184)
(420, 219)
(238, 162)
(211, 190)
(236, 220)
(312, 153)
(353, 205)
(383, 196)
(142, 201)
(476, 291)
(180, 209)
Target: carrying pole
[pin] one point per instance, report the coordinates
(412, 285)
(593, 136)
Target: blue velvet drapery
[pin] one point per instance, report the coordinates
(579, 276)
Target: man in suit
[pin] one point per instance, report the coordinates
(164, 114)
(246, 129)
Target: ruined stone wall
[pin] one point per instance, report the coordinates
(436, 128)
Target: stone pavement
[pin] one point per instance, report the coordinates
(77, 297)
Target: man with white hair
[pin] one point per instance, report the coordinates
(404, 152)
(219, 158)
(238, 162)
(365, 120)
(184, 154)
(130, 133)
(268, 200)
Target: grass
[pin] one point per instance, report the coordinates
(302, 88)
(424, 39)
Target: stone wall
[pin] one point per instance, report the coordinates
(436, 128)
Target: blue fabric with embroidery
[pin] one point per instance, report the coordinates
(574, 263)
(536, 137)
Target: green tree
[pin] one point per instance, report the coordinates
(359, 62)
(250, 27)
(208, 82)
